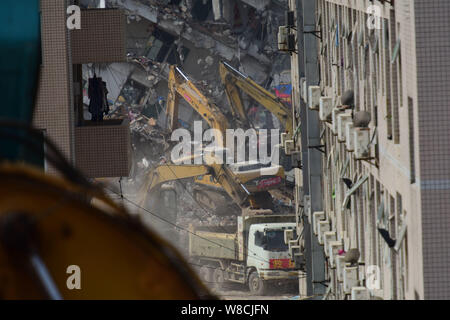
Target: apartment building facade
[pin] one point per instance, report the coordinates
(97, 149)
(385, 188)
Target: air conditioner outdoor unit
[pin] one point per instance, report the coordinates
(317, 216)
(314, 97)
(304, 89)
(350, 141)
(307, 207)
(327, 237)
(298, 177)
(334, 119)
(283, 33)
(288, 235)
(283, 138)
(340, 265)
(350, 275)
(323, 226)
(333, 251)
(360, 293)
(343, 119)
(289, 147)
(325, 108)
(362, 143)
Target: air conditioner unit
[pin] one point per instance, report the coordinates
(362, 143)
(333, 251)
(314, 97)
(340, 265)
(350, 275)
(307, 207)
(317, 216)
(290, 19)
(289, 147)
(343, 119)
(283, 138)
(298, 173)
(304, 89)
(360, 293)
(322, 227)
(325, 108)
(350, 142)
(288, 235)
(327, 237)
(283, 33)
(334, 119)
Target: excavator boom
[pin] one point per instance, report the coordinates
(171, 172)
(180, 85)
(235, 80)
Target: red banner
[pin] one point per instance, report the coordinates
(281, 264)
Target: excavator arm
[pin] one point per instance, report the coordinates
(171, 172)
(235, 80)
(180, 85)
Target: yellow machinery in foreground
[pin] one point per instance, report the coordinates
(50, 234)
(61, 237)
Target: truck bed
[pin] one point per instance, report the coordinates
(217, 245)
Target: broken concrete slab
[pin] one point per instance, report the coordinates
(144, 11)
(258, 4)
(217, 9)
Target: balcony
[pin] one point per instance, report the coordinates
(103, 149)
(101, 38)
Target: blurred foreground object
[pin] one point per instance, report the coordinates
(61, 237)
(47, 225)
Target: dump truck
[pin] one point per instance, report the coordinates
(254, 252)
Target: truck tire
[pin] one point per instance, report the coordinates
(256, 285)
(218, 278)
(206, 274)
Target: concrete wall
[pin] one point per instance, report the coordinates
(54, 112)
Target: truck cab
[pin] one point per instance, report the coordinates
(268, 258)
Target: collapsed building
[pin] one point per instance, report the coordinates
(195, 35)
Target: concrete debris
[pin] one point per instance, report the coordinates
(162, 34)
(216, 37)
(209, 60)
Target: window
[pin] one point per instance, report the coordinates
(372, 222)
(412, 166)
(353, 190)
(393, 235)
(271, 240)
(395, 51)
(387, 74)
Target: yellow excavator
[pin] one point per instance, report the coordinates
(246, 183)
(235, 82)
(180, 85)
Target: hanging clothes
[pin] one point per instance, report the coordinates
(105, 98)
(97, 93)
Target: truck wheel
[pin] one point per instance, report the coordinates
(218, 278)
(256, 285)
(206, 274)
